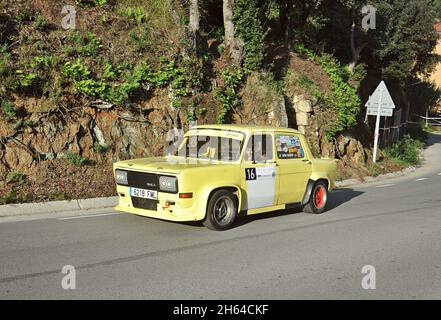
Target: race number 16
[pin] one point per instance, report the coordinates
(250, 174)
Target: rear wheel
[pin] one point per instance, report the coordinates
(221, 211)
(318, 200)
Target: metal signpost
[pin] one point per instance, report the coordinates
(380, 104)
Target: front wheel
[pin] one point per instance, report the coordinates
(221, 211)
(318, 200)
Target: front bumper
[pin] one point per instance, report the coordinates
(182, 210)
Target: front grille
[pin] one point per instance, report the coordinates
(141, 180)
(146, 204)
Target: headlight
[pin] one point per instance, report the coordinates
(121, 177)
(168, 184)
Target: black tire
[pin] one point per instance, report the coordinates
(221, 211)
(318, 199)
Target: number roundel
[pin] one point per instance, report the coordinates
(251, 174)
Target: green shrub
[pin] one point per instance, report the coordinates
(43, 62)
(406, 151)
(26, 79)
(40, 22)
(56, 196)
(15, 177)
(8, 109)
(75, 70)
(13, 197)
(91, 3)
(86, 45)
(5, 57)
(22, 15)
(136, 14)
(99, 148)
(76, 159)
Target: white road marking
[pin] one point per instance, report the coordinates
(386, 185)
(90, 216)
(421, 179)
(439, 174)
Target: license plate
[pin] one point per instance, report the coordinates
(143, 193)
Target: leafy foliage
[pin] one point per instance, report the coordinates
(8, 109)
(406, 151)
(343, 98)
(248, 17)
(76, 159)
(15, 177)
(91, 3)
(228, 94)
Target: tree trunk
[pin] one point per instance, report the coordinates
(234, 44)
(286, 7)
(356, 51)
(194, 24)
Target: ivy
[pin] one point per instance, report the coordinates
(248, 20)
(228, 94)
(138, 77)
(342, 97)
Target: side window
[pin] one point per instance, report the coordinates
(259, 149)
(289, 147)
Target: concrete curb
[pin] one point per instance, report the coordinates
(382, 177)
(25, 209)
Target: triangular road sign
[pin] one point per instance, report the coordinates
(386, 102)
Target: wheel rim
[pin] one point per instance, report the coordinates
(320, 197)
(223, 210)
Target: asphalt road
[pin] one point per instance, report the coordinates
(394, 226)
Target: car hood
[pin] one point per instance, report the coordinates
(170, 164)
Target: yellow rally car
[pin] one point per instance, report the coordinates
(220, 171)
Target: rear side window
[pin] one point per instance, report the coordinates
(289, 147)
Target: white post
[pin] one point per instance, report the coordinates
(377, 127)
(366, 118)
(427, 118)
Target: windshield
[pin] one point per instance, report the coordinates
(210, 147)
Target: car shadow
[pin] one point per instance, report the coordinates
(336, 198)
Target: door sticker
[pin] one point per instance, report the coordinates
(261, 186)
(289, 147)
(259, 173)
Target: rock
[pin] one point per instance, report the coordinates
(99, 136)
(278, 115)
(302, 119)
(303, 106)
(355, 151)
(298, 98)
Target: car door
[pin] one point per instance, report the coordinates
(259, 172)
(295, 168)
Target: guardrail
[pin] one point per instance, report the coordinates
(430, 121)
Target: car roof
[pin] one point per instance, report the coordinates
(244, 128)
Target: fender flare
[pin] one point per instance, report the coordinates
(309, 188)
(308, 192)
(209, 191)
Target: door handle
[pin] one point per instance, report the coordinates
(307, 161)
